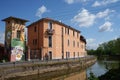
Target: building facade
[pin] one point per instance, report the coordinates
(50, 39)
(15, 38)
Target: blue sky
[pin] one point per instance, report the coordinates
(98, 20)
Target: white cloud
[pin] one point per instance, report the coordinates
(69, 1)
(91, 44)
(41, 11)
(96, 4)
(107, 18)
(103, 2)
(104, 13)
(90, 40)
(87, 19)
(74, 1)
(2, 36)
(106, 27)
(84, 18)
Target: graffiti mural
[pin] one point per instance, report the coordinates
(17, 49)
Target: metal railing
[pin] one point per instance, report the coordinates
(20, 63)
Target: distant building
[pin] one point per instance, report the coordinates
(51, 39)
(15, 38)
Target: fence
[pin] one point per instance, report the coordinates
(20, 63)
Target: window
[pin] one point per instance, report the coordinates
(73, 33)
(82, 46)
(78, 44)
(34, 41)
(74, 54)
(77, 34)
(50, 41)
(78, 54)
(35, 29)
(67, 55)
(65, 31)
(18, 34)
(49, 25)
(68, 42)
(68, 31)
(73, 43)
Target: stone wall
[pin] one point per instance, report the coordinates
(27, 69)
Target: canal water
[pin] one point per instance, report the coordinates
(98, 69)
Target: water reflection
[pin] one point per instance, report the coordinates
(74, 76)
(98, 69)
(101, 67)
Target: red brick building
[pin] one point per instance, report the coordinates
(51, 39)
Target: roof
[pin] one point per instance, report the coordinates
(11, 17)
(83, 39)
(55, 21)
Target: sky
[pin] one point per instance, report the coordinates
(98, 20)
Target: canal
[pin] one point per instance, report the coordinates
(98, 69)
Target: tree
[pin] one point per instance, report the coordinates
(108, 48)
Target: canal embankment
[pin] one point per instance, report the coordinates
(43, 68)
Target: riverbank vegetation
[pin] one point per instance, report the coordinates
(112, 74)
(107, 51)
(107, 48)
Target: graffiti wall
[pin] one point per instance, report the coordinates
(8, 39)
(17, 49)
(15, 44)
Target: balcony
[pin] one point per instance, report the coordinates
(50, 31)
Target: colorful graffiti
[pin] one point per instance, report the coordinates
(17, 49)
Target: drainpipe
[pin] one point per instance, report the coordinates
(62, 44)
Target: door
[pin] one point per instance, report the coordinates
(50, 55)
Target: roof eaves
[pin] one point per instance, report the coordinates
(11, 17)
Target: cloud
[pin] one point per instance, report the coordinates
(90, 40)
(69, 1)
(106, 27)
(91, 44)
(2, 36)
(104, 13)
(103, 2)
(86, 19)
(96, 4)
(41, 11)
(74, 1)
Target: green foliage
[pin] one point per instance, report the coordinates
(108, 48)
